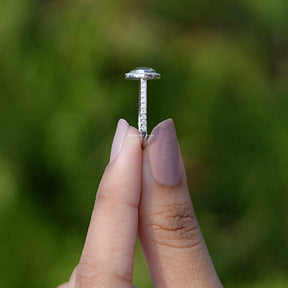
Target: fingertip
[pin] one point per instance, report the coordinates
(134, 133)
(167, 125)
(125, 135)
(164, 154)
(131, 148)
(118, 140)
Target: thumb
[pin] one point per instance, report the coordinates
(168, 229)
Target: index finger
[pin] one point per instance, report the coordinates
(107, 257)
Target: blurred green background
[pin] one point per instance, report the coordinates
(224, 67)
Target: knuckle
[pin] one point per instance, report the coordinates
(86, 275)
(90, 276)
(176, 223)
(106, 191)
(126, 278)
(106, 198)
(103, 199)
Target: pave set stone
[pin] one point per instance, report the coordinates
(142, 121)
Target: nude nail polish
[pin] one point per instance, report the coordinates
(120, 135)
(164, 154)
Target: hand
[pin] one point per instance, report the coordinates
(144, 191)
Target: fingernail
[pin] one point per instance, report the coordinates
(164, 156)
(119, 137)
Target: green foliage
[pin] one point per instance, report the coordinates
(224, 69)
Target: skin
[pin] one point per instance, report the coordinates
(130, 202)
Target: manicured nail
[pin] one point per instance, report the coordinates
(164, 154)
(120, 135)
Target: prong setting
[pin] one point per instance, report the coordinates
(142, 73)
